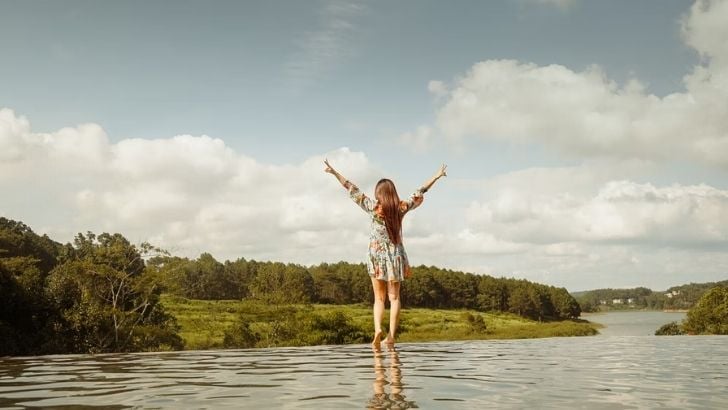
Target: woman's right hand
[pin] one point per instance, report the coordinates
(329, 168)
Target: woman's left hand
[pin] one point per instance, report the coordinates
(441, 172)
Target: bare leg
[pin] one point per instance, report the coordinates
(394, 306)
(379, 287)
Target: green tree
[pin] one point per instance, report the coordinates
(565, 306)
(297, 284)
(421, 290)
(492, 294)
(107, 301)
(279, 283)
(520, 301)
(206, 278)
(25, 313)
(240, 274)
(710, 314)
(330, 286)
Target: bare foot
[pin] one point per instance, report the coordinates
(389, 342)
(377, 342)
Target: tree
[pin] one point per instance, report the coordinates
(710, 314)
(565, 306)
(107, 301)
(330, 286)
(421, 289)
(18, 240)
(520, 301)
(279, 283)
(492, 294)
(25, 312)
(206, 278)
(240, 273)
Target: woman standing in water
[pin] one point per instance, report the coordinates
(387, 260)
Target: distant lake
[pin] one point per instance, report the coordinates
(632, 323)
(602, 372)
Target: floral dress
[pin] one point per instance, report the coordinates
(385, 260)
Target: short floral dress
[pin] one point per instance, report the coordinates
(385, 260)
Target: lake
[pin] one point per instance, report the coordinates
(603, 372)
(639, 323)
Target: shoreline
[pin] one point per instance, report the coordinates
(635, 310)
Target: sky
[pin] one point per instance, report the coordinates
(586, 141)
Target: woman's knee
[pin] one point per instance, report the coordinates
(379, 290)
(393, 291)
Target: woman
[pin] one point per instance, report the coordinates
(387, 262)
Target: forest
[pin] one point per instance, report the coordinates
(681, 297)
(102, 293)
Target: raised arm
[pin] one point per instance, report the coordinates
(418, 196)
(357, 196)
(440, 173)
(345, 182)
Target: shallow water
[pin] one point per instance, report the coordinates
(584, 372)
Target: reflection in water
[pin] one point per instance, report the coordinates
(396, 398)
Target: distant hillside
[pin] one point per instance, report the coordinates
(676, 297)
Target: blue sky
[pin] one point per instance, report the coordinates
(391, 88)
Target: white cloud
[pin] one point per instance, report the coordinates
(437, 88)
(618, 212)
(705, 29)
(189, 194)
(586, 113)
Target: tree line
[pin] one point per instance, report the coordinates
(101, 293)
(347, 283)
(676, 297)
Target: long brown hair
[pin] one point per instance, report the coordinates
(386, 195)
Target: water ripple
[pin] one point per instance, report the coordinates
(618, 372)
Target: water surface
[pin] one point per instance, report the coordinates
(586, 372)
(640, 323)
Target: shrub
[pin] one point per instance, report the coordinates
(476, 322)
(240, 336)
(670, 329)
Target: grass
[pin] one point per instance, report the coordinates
(203, 323)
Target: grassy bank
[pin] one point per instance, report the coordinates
(203, 324)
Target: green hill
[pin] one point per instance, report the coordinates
(680, 297)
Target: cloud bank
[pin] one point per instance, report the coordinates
(584, 113)
(191, 194)
(587, 223)
(187, 193)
